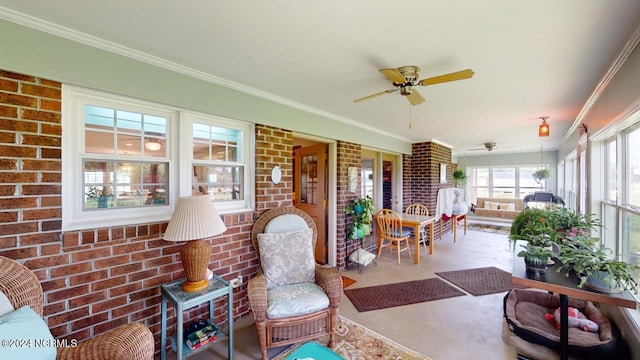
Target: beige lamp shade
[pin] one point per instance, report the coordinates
(194, 219)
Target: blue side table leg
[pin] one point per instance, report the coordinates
(179, 330)
(230, 320)
(163, 328)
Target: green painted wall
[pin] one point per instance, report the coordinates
(32, 52)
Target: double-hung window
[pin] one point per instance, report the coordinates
(127, 161)
(217, 160)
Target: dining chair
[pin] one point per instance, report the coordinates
(391, 233)
(422, 210)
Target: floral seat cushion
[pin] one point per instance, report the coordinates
(287, 258)
(296, 299)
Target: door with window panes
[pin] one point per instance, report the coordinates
(311, 192)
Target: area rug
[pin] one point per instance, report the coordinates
(481, 281)
(496, 229)
(347, 281)
(404, 293)
(355, 342)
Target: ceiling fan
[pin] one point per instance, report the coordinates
(405, 78)
(489, 146)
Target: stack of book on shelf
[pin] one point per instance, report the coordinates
(200, 338)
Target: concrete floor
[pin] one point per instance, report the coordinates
(461, 327)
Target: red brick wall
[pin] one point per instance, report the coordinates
(273, 147)
(97, 279)
(348, 155)
(425, 174)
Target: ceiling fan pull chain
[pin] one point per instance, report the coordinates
(409, 117)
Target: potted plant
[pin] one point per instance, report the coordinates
(594, 267)
(361, 211)
(532, 222)
(541, 174)
(536, 253)
(102, 195)
(459, 177)
(569, 220)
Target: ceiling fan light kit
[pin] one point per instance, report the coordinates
(543, 129)
(405, 78)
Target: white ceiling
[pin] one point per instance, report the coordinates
(530, 58)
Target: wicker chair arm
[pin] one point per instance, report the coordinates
(257, 291)
(330, 280)
(127, 342)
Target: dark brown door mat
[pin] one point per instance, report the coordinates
(405, 293)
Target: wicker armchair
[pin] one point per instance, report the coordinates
(289, 330)
(127, 342)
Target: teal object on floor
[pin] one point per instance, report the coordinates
(313, 351)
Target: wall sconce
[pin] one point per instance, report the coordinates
(543, 130)
(152, 145)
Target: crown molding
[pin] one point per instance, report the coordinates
(615, 66)
(82, 38)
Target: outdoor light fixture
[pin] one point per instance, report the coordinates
(543, 130)
(152, 145)
(194, 219)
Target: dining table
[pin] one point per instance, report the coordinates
(565, 285)
(418, 222)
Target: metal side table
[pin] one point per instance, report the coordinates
(181, 301)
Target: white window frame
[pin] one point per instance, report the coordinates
(187, 119)
(179, 151)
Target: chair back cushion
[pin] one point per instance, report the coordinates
(297, 299)
(285, 223)
(287, 258)
(19, 330)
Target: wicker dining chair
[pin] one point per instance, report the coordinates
(277, 331)
(391, 233)
(127, 342)
(422, 210)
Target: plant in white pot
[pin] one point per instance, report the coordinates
(460, 178)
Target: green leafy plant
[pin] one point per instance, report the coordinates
(460, 177)
(568, 220)
(580, 255)
(361, 211)
(532, 222)
(95, 193)
(541, 174)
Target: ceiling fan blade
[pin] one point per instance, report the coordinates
(415, 98)
(459, 75)
(477, 149)
(375, 95)
(394, 75)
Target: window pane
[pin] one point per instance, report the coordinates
(216, 143)
(631, 238)
(633, 176)
(528, 185)
(612, 184)
(113, 131)
(504, 183)
(609, 226)
(119, 184)
(221, 183)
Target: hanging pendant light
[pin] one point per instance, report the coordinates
(543, 129)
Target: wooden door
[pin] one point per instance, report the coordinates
(311, 193)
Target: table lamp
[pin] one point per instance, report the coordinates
(194, 219)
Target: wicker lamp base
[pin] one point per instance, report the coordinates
(195, 259)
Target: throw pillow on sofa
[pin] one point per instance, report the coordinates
(507, 206)
(491, 205)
